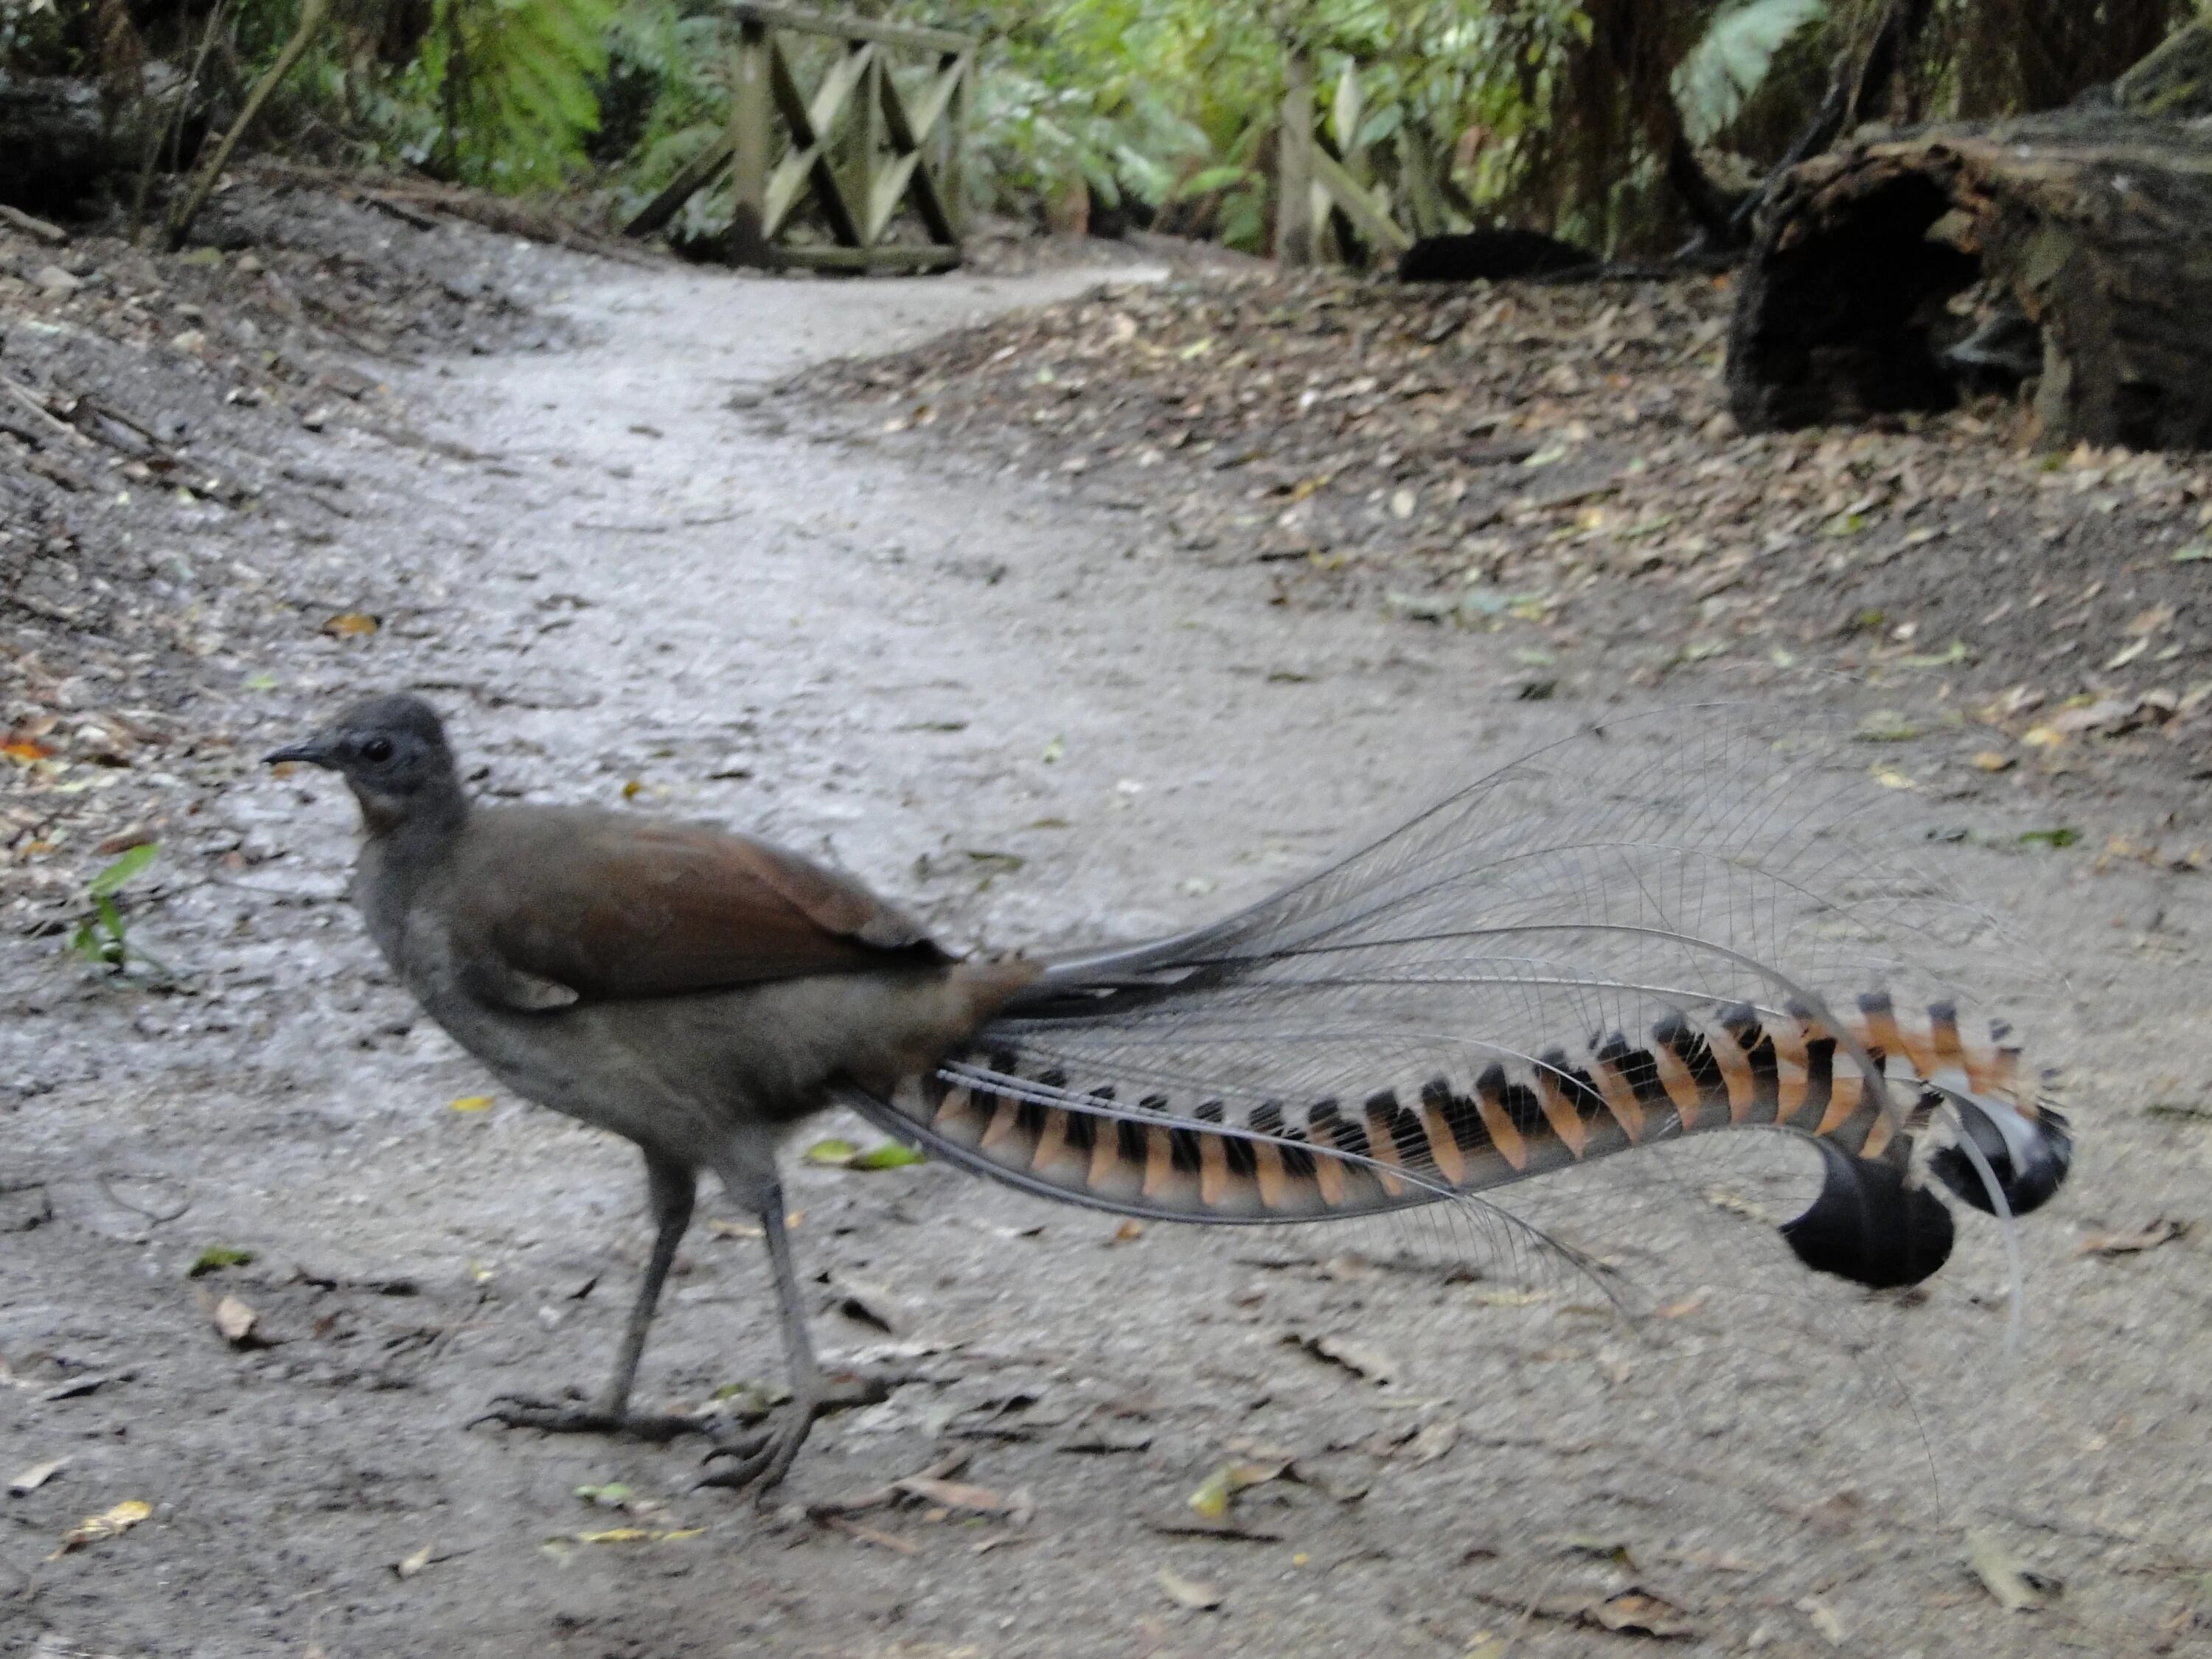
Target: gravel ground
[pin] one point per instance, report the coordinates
(631, 567)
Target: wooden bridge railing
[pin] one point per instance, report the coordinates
(857, 147)
(1330, 209)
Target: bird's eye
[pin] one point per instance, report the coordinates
(377, 751)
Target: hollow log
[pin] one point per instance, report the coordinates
(55, 147)
(2095, 225)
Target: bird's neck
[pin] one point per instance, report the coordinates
(420, 824)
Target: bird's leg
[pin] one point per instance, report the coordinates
(765, 1458)
(670, 1188)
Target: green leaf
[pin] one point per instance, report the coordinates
(2051, 837)
(889, 1156)
(833, 1153)
(1720, 74)
(216, 1257)
(131, 864)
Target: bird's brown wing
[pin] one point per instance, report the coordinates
(609, 907)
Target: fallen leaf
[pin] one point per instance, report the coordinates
(864, 1534)
(833, 1153)
(1128, 1231)
(236, 1320)
(471, 1104)
(109, 1523)
(2012, 1588)
(2158, 1232)
(216, 1257)
(408, 1566)
(621, 1535)
(351, 624)
(36, 1476)
(1826, 1620)
(1188, 1592)
(1183, 1523)
(1991, 761)
(954, 1495)
(1211, 1500)
(1639, 1612)
(891, 1155)
(870, 1305)
(1377, 1366)
(1433, 1442)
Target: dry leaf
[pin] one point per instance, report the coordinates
(1211, 1500)
(36, 1476)
(1639, 1612)
(1188, 1592)
(2001, 1575)
(109, 1523)
(1374, 1364)
(861, 1533)
(619, 1535)
(1433, 1442)
(2158, 1232)
(1825, 1619)
(471, 1104)
(954, 1495)
(236, 1321)
(1127, 1231)
(350, 624)
(408, 1566)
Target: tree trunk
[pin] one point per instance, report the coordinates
(2095, 223)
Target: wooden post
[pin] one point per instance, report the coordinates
(749, 136)
(955, 152)
(862, 140)
(1294, 145)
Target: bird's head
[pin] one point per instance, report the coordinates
(392, 752)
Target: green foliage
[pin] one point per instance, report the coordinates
(1729, 64)
(504, 92)
(102, 938)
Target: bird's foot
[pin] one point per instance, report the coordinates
(576, 1416)
(762, 1459)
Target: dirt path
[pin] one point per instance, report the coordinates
(1037, 723)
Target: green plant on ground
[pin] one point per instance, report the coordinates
(103, 937)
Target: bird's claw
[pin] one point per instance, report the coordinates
(763, 1458)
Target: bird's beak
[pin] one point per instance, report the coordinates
(316, 751)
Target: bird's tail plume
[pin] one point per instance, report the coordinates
(1676, 925)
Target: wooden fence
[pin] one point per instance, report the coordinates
(861, 150)
(1333, 208)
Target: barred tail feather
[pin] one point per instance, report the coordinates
(1629, 938)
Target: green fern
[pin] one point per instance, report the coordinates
(1718, 78)
(514, 82)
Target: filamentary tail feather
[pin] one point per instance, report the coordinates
(1641, 933)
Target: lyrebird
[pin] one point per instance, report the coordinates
(1601, 946)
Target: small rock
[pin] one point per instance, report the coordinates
(316, 418)
(56, 282)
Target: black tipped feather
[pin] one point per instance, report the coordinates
(2045, 1154)
(1870, 1225)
